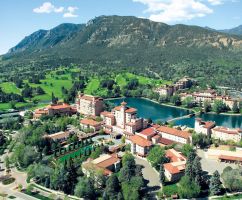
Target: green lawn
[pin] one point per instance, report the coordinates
(9, 87)
(170, 189)
(92, 86)
(122, 80)
(53, 83)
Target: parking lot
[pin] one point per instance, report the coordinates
(211, 165)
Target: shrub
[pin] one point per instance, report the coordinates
(8, 181)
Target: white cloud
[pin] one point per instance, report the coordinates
(216, 2)
(48, 7)
(175, 10)
(70, 12)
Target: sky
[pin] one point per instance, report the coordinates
(19, 18)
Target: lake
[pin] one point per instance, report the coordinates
(149, 109)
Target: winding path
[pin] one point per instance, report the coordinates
(151, 176)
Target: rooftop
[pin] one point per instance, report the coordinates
(58, 106)
(107, 114)
(175, 167)
(228, 130)
(140, 141)
(173, 131)
(89, 97)
(102, 162)
(58, 135)
(90, 122)
(174, 155)
(148, 131)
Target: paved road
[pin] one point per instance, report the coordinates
(151, 176)
(211, 165)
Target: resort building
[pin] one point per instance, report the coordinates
(204, 127)
(166, 90)
(169, 90)
(90, 124)
(61, 136)
(109, 121)
(226, 134)
(55, 109)
(210, 96)
(147, 133)
(105, 163)
(139, 145)
(123, 120)
(175, 135)
(175, 169)
(184, 83)
(89, 105)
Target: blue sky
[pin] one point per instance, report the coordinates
(19, 18)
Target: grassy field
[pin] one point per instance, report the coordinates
(92, 86)
(54, 83)
(122, 80)
(9, 87)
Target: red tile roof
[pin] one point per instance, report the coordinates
(108, 162)
(173, 169)
(41, 111)
(169, 167)
(173, 131)
(107, 114)
(118, 108)
(174, 156)
(148, 131)
(227, 130)
(166, 141)
(140, 141)
(156, 137)
(209, 124)
(90, 122)
(131, 110)
(59, 106)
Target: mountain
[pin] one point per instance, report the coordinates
(115, 42)
(44, 39)
(235, 31)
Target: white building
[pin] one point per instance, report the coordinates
(123, 119)
(175, 169)
(139, 145)
(89, 105)
(175, 135)
(204, 127)
(226, 134)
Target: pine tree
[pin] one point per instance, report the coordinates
(235, 107)
(215, 184)
(162, 174)
(189, 166)
(197, 171)
(112, 187)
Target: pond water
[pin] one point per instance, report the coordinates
(149, 109)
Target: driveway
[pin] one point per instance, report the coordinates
(211, 165)
(151, 176)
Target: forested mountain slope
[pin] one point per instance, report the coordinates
(133, 44)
